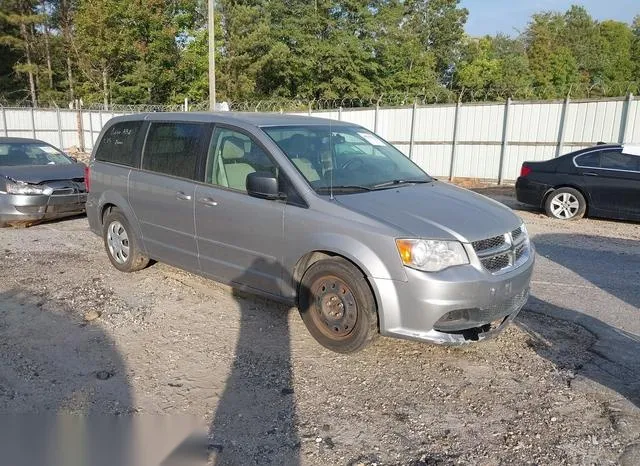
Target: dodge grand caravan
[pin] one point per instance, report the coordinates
(324, 215)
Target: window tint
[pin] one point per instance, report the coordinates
(232, 157)
(616, 160)
(173, 148)
(344, 157)
(118, 143)
(590, 160)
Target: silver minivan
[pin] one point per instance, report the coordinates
(321, 214)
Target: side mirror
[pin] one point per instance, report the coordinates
(263, 185)
(73, 159)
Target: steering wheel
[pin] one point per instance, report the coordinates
(356, 162)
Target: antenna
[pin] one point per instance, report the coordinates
(331, 161)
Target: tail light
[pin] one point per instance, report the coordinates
(525, 170)
(87, 178)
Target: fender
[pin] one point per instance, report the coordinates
(368, 260)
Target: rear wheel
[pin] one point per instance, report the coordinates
(121, 244)
(337, 306)
(566, 204)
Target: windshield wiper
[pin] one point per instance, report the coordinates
(342, 189)
(393, 183)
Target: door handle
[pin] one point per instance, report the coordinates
(182, 196)
(590, 174)
(208, 201)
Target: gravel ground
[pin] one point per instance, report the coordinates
(561, 386)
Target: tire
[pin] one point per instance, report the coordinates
(121, 244)
(565, 204)
(337, 306)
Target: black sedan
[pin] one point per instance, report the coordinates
(601, 181)
(38, 182)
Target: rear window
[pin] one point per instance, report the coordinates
(173, 148)
(591, 160)
(118, 144)
(619, 161)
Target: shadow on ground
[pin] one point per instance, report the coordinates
(613, 360)
(54, 365)
(255, 421)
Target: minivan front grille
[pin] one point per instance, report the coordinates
(496, 263)
(489, 243)
(500, 254)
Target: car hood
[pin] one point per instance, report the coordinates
(435, 210)
(36, 174)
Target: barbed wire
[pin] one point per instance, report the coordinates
(440, 95)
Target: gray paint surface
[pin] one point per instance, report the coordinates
(257, 243)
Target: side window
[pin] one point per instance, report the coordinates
(232, 157)
(590, 160)
(173, 148)
(118, 144)
(616, 160)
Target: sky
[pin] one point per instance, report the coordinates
(511, 16)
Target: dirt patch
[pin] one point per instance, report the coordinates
(169, 342)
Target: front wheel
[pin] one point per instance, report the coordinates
(121, 243)
(337, 306)
(566, 204)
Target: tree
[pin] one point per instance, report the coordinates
(20, 14)
(495, 68)
(617, 65)
(439, 24)
(553, 66)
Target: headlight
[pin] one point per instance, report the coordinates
(19, 187)
(431, 255)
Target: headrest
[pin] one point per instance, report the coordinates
(232, 148)
(297, 145)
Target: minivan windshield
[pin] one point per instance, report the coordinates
(17, 154)
(345, 159)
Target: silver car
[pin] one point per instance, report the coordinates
(321, 214)
(38, 182)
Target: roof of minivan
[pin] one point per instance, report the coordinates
(252, 118)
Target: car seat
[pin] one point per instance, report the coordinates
(297, 150)
(17, 156)
(234, 167)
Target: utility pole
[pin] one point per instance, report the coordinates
(212, 56)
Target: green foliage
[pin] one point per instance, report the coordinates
(156, 51)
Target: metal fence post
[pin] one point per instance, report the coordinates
(340, 113)
(412, 138)
(4, 122)
(626, 117)
(79, 125)
(561, 130)
(309, 108)
(454, 144)
(59, 120)
(100, 115)
(505, 139)
(91, 127)
(376, 118)
(186, 104)
(33, 123)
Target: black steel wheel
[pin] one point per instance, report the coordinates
(337, 306)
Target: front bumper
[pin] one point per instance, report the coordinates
(27, 208)
(456, 306)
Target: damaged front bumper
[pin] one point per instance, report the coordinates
(21, 209)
